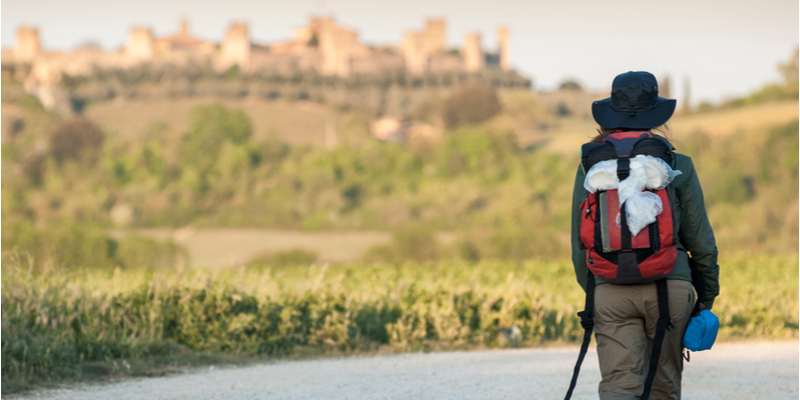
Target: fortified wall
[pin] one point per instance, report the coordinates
(322, 45)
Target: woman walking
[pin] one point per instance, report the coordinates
(639, 231)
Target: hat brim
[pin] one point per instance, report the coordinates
(657, 116)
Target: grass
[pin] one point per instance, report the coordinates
(294, 123)
(85, 324)
(222, 247)
(727, 121)
(570, 133)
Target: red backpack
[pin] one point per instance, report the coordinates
(612, 252)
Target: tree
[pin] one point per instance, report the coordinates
(209, 127)
(570, 84)
(470, 104)
(790, 71)
(76, 139)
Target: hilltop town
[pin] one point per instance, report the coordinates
(323, 46)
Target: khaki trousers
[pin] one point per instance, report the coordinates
(625, 326)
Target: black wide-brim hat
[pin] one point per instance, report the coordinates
(634, 103)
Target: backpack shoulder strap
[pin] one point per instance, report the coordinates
(587, 322)
(623, 142)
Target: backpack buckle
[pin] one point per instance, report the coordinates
(587, 322)
(623, 167)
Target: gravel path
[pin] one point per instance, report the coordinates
(747, 371)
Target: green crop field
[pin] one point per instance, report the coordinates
(81, 324)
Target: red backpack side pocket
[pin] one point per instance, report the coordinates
(588, 220)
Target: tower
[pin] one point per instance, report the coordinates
(235, 48)
(28, 45)
(140, 46)
(474, 59)
(502, 45)
(435, 31)
(413, 49)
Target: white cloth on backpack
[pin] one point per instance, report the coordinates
(602, 176)
(641, 210)
(646, 172)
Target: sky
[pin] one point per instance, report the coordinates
(724, 48)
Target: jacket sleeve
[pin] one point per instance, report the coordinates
(696, 234)
(578, 255)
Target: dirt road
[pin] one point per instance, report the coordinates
(744, 371)
(224, 247)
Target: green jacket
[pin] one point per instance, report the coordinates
(695, 234)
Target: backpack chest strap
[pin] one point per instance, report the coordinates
(623, 167)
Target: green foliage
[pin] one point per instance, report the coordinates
(467, 251)
(781, 152)
(734, 187)
(393, 92)
(72, 246)
(32, 166)
(788, 89)
(293, 257)
(64, 245)
(570, 84)
(136, 252)
(470, 104)
(750, 183)
(61, 321)
(31, 102)
(415, 242)
(76, 139)
(210, 127)
(13, 91)
(232, 72)
(773, 92)
(475, 183)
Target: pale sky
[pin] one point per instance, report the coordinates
(727, 48)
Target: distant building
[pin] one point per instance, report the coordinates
(235, 49)
(27, 46)
(321, 45)
(140, 45)
(474, 58)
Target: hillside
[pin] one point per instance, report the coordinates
(571, 133)
(258, 164)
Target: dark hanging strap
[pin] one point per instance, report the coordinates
(623, 170)
(663, 324)
(587, 322)
(625, 232)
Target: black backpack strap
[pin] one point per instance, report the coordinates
(623, 167)
(664, 323)
(587, 322)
